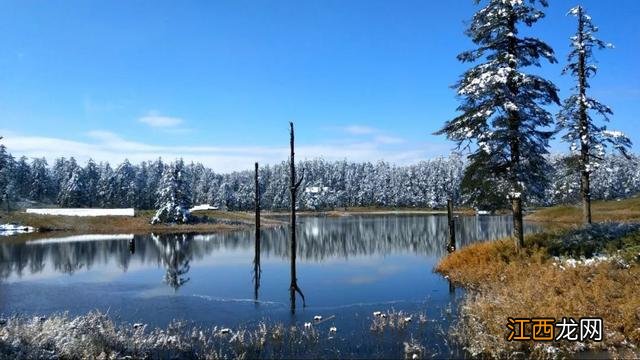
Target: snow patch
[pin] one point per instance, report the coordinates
(203, 207)
(83, 212)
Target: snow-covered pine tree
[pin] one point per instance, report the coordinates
(582, 132)
(123, 185)
(21, 176)
(72, 192)
(502, 111)
(6, 185)
(91, 180)
(104, 185)
(174, 195)
(40, 187)
(156, 169)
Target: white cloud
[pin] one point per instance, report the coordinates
(359, 130)
(154, 119)
(385, 139)
(375, 135)
(107, 146)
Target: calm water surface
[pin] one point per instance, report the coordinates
(347, 267)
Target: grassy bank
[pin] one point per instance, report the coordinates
(567, 272)
(205, 221)
(622, 210)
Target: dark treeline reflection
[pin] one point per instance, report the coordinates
(319, 238)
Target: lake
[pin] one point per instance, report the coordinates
(347, 268)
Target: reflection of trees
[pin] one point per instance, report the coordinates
(175, 257)
(319, 238)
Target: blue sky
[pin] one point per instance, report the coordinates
(218, 81)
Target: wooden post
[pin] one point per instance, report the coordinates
(293, 188)
(518, 231)
(257, 205)
(132, 246)
(256, 260)
(451, 245)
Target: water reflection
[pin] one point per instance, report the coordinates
(319, 239)
(257, 270)
(175, 255)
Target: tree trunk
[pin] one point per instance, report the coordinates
(585, 191)
(514, 144)
(451, 245)
(518, 231)
(256, 260)
(293, 189)
(586, 197)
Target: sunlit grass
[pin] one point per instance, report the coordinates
(622, 210)
(543, 281)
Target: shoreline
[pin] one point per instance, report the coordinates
(565, 271)
(209, 221)
(58, 225)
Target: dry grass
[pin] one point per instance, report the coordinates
(208, 221)
(532, 284)
(623, 210)
(96, 336)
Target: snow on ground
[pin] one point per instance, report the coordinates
(563, 262)
(203, 207)
(83, 212)
(81, 238)
(13, 229)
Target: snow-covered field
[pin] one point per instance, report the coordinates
(81, 238)
(13, 229)
(83, 212)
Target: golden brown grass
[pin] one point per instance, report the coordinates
(623, 210)
(506, 284)
(211, 221)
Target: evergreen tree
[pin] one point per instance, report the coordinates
(502, 113)
(40, 188)
(21, 176)
(58, 176)
(156, 169)
(123, 185)
(174, 195)
(91, 181)
(6, 185)
(582, 131)
(72, 192)
(105, 185)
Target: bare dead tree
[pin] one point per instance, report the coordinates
(256, 260)
(451, 246)
(294, 186)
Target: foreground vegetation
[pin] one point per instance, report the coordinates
(567, 272)
(97, 336)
